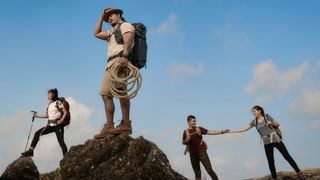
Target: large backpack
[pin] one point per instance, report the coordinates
(138, 55)
(276, 129)
(66, 105)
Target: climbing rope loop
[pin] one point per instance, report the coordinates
(125, 82)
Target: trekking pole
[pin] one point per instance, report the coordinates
(30, 131)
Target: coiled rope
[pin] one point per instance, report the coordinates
(132, 81)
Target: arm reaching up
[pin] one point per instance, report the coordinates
(98, 32)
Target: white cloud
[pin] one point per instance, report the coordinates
(307, 104)
(169, 26)
(187, 69)
(268, 82)
(12, 123)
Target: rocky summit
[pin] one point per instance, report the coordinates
(114, 157)
(120, 157)
(22, 168)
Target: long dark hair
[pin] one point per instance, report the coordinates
(259, 108)
(55, 93)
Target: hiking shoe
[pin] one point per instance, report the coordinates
(123, 128)
(301, 176)
(28, 153)
(105, 131)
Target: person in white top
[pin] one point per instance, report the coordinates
(56, 114)
(119, 49)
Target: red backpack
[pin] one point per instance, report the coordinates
(66, 105)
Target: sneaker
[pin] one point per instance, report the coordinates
(28, 153)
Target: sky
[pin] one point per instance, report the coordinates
(214, 59)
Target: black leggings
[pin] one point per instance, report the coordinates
(283, 150)
(59, 130)
(204, 159)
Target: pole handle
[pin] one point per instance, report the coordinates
(34, 112)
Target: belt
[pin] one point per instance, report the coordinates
(115, 56)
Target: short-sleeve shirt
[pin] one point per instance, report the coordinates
(268, 135)
(195, 145)
(53, 111)
(113, 47)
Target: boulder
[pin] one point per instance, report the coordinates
(22, 168)
(117, 157)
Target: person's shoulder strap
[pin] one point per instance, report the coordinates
(58, 105)
(198, 130)
(266, 117)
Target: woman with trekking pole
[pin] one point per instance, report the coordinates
(271, 136)
(56, 114)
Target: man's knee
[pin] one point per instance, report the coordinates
(106, 98)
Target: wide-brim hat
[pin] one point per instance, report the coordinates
(109, 11)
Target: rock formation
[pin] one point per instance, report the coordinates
(22, 168)
(114, 157)
(120, 157)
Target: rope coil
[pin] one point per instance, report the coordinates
(132, 80)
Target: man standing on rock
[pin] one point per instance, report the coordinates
(117, 53)
(197, 148)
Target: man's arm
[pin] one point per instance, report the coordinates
(127, 42)
(214, 132)
(98, 33)
(127, 47)
(185, 138)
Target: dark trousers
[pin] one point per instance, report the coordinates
(59, 130)
(283, 150)
(204, 159)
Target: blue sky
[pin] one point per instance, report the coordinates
(214, 59)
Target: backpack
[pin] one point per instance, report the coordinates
(277, 129)
(66, 105)
(198, 131)
(138, 55)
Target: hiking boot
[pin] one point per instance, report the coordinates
(301, 176)
(105, 131)
(27, 153)
(123, 128)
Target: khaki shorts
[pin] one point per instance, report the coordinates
(105, 86)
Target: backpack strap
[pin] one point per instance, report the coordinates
(118, 35)
(198, 130)
(187, 145)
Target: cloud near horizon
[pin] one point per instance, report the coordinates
(307, 104)
(268, 83)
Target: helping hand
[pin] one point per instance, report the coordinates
(226, 130)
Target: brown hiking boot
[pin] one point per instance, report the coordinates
(123, 128)
(105, 131)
